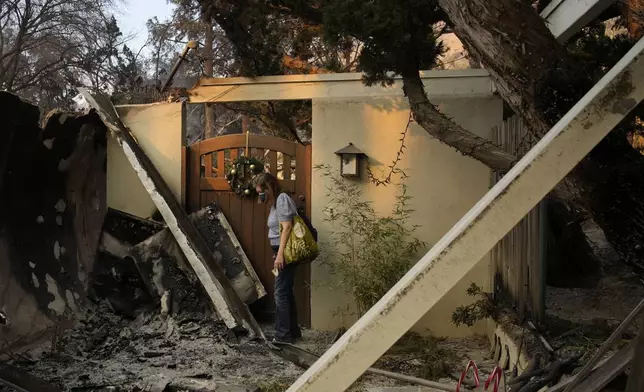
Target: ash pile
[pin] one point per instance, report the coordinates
(186, 352)
(149, 326)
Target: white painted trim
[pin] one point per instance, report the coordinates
(335, 77)
(554, 4)
(539, 171)
(564, 18)
(444, 83)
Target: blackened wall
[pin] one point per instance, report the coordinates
(52, 204)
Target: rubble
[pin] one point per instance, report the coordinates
(230, 308)
(107, 352)
(165, 269)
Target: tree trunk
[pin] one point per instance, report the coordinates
(442, 128)
(524, 59)
(15, 60)
(539, 80)
(634, 13)
(209, 112)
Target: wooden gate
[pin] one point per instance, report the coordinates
(209, 161)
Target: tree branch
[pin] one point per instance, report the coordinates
(448, 132)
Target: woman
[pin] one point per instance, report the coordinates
(282, 212)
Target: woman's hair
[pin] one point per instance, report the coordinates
(269, 183)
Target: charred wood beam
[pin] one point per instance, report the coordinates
(22, 381)
(165, 270)
(625, 352)
(551, 374)
(181, 59)
(607, 373)
(128, 228)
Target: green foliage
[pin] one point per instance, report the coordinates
(254, 34)
(384, 36)
(483, 308)
(370, 252)
(398, 36)
(128, 72)
(262, 32)
(596, 51)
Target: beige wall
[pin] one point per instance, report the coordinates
(158, 129)
(443, 183)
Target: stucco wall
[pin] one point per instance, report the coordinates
(158, 129)
(443, 183)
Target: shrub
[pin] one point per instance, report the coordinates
(370, 253)
(482, 309)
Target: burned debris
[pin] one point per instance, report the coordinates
(211, 275)
(52, 194)
(166, 272)
(69, 262)
(191, 351)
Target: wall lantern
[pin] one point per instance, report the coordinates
(350, 159)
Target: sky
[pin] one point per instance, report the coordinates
(132, 16)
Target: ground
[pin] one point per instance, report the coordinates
(106, 352)
(591, 314)
(580, 320)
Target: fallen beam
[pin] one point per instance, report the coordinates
(305, 359)
(601, 377)
(451, 259)
(564, 18)
(614, 337)
(232, 310)
(563, 384)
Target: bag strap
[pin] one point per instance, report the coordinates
(292, 203)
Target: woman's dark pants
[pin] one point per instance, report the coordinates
(286, 327)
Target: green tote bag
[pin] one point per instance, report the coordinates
(300, 246)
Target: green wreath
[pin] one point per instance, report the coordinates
(241, 175)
